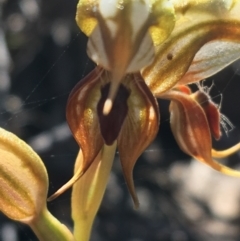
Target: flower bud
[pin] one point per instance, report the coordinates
(23, 179)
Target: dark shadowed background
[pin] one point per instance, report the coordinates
(42, 56)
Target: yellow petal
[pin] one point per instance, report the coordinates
(85, 16)
(210, 59)
(163, 17)
(214, 7)
(196, 25)
(139, 129)
(23, 179)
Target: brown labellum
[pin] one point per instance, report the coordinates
(111, 124)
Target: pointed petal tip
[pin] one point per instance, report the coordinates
(136, 204)
(226, 152)
(134, 196)
(139, 129)
(66, 186)
(131, 188)
(82, 117)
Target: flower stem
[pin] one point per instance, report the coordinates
(48, 228)
(88, 191)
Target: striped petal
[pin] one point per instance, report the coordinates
(210, 59)
(192, 130)
(83, 121)
(139, 129)
(211, 111)
(122, 32)
(82, 116)
(205, 39)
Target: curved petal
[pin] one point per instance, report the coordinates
(210, 59)
(82, 115)
(83, 121)
(211, 111)
(195, 27)
(190, 128)
(139, 129)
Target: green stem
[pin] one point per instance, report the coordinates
(48, 228)
(83, 228)
(88, 191)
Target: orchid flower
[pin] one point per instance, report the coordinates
(145, 50)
